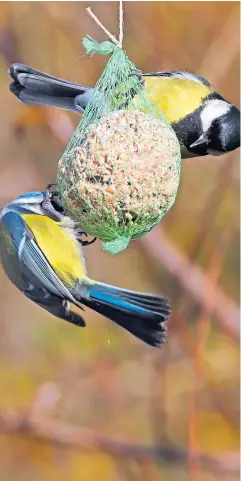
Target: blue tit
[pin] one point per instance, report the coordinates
(41, 254)
(204, 122)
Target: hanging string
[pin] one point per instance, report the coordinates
(121, 23)
(108, 34)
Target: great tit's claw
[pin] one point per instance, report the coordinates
(138, 74)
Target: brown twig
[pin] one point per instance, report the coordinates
(59, 433)
(228, 43)
(160, 249)
(203, 329)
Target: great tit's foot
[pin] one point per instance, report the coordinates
(84, 243)
(77, 102)
(138, 74)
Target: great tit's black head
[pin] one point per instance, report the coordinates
(225, 131)
(220, 128)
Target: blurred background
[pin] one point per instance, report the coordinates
(97, 404)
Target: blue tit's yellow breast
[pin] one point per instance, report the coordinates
(59, 247)
(177, 97)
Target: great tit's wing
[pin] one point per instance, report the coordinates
(56, 306)
(34, 87)
(179, 74)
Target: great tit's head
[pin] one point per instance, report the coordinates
(225, 132)
(221, 128)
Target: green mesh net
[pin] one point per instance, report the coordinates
(120, 171)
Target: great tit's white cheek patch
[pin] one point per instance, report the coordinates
(213, 109)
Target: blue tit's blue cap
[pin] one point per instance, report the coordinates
(30, 198)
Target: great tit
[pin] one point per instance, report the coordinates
(41, 254)
(204, 122)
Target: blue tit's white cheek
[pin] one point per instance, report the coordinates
(213, 109)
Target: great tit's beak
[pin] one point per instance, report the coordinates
(201, 141)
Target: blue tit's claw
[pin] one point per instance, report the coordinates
(48, 187)
(84, 243)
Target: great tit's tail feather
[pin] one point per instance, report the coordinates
(141, 314)
(34, 87)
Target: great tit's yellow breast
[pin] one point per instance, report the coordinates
(177, 97)
(59, 246)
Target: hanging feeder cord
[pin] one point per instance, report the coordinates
(121, 25)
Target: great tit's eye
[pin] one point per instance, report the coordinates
(216, 123)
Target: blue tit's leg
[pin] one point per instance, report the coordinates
(51, 211)
(53, 196)
(55, 305)
(50, 202)
(48, 188)
(50, 207)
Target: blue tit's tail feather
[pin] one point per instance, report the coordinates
(34, 87)
(141, 314)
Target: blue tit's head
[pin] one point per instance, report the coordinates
(28, 202)
(30, 198)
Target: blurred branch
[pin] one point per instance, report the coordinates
(161, 250)
(227, 42)
(223, 184)
(9, 47)
(68, 435)
(203, 330)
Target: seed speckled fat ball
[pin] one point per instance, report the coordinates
(123, 178)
